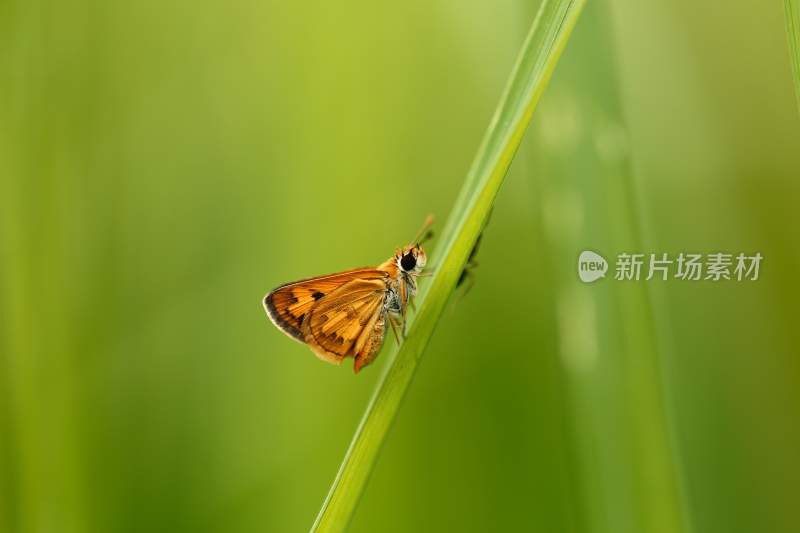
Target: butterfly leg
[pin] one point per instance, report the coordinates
(396, 313)
(399, 321)
(394, 329)
(403, 317)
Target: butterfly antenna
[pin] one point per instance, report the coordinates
(424, 232)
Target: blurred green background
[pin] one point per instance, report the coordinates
(163, 165)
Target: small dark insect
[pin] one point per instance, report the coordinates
(467, 274)
(471, 264)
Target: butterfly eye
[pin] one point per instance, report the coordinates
(408, 262)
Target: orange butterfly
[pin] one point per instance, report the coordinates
(345, 314)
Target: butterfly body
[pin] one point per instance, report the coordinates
(345, 314)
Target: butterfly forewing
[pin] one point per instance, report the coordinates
(288, 306)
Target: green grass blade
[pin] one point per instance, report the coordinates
(792, 8)
(530, 75)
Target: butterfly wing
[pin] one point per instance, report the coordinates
(336, 315)
(349, 321)
(288, 305)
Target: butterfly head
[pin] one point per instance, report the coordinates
(411, 259)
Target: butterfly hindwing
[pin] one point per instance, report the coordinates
(348, 321)
(345, 323)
